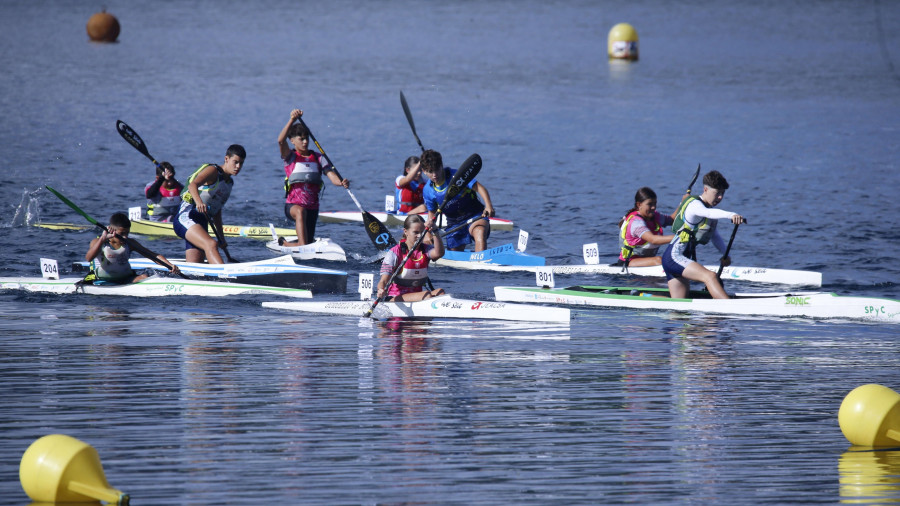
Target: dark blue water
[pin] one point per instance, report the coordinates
(212, 402)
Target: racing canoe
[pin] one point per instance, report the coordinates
(444, 306)
(394, 219)
(505, 255)
(747, 274)
(163, 229)
(154, 286)
(321, 249)
(818, 305)
(280, 272)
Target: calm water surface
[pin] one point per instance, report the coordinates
(223, 402)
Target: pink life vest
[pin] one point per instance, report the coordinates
(414, 274)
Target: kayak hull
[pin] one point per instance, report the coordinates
(444, 306)
(505, 255)
(163, 229)
(154, 286)
(279, 272)
(818, 305)
(393, 219)
(321, 249)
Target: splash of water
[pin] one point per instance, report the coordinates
(28, 211)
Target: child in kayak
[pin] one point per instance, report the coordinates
(409, 284)
(208, 189)
(464, 205)
(303, 170)
(110, 252)
(641, 231)
(163, 194)
(695, 223)
(409, 186)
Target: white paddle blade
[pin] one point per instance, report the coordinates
(272, 230)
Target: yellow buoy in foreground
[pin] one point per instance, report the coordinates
(870, 416)
(59, 468)
(623, 42)
(103, 27)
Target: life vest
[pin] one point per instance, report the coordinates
(699, 233)
(112, 264)
(415, 270)
(214, 195)
(304, 169)
(166, 204)
(645, 249)
(409, 196)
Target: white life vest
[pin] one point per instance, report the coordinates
(112, 264)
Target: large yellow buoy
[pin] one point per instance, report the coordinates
(870, 416)
(60, 468)
(623, 42)
(103, 27)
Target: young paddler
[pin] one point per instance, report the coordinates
(208, 190)
(695, 223)
(641, 231)
(409, 284)
(109, 253)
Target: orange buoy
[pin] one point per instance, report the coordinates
(103, 27)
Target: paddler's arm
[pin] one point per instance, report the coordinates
(94, 248)
(438, 250)
(486, 197)
(652, 238)
(382, 284)
(204, 177)
(336, 178)
(411, 175)
(283, 145)
(143, 250)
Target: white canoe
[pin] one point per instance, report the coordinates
(747, 274)
(817, 305)
(444, 306)
(321, 249)
(154, 286)
(280, 271)
(394, 220)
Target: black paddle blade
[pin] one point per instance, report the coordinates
(134, 139)
(466, 173)
(693, 180)
(379, 234)
(409, 118)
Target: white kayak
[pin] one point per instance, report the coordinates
(280, 271)
(736, 273)
(154, 286)
(394, 219)
(443, 306)
(817, 305)
(321, 249)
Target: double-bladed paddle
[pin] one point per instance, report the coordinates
(134, 139)
(134, 245)
(378, 233)
(466, 173)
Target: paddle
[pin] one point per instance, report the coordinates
(134, 245)
(134, 139)
(378, 233)
(409, 118)
(693, 180)
(728, 250)
(220, 237)
(466, 173)
(473, 219)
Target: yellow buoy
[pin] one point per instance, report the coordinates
(103, 27)
(623, 42)
(870, 416)
(59, 468)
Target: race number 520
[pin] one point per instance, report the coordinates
(544, 277)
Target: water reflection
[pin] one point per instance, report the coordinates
(870, 476)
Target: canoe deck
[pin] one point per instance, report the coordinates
(321, 249)
(154, 286)
(444, 306)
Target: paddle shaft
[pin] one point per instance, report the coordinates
(727, 250)
(458, 226)
(376, 230)
(220, 237)
(134, 245)
(463, 177)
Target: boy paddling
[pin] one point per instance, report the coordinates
(110, 252)
(695, 223)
